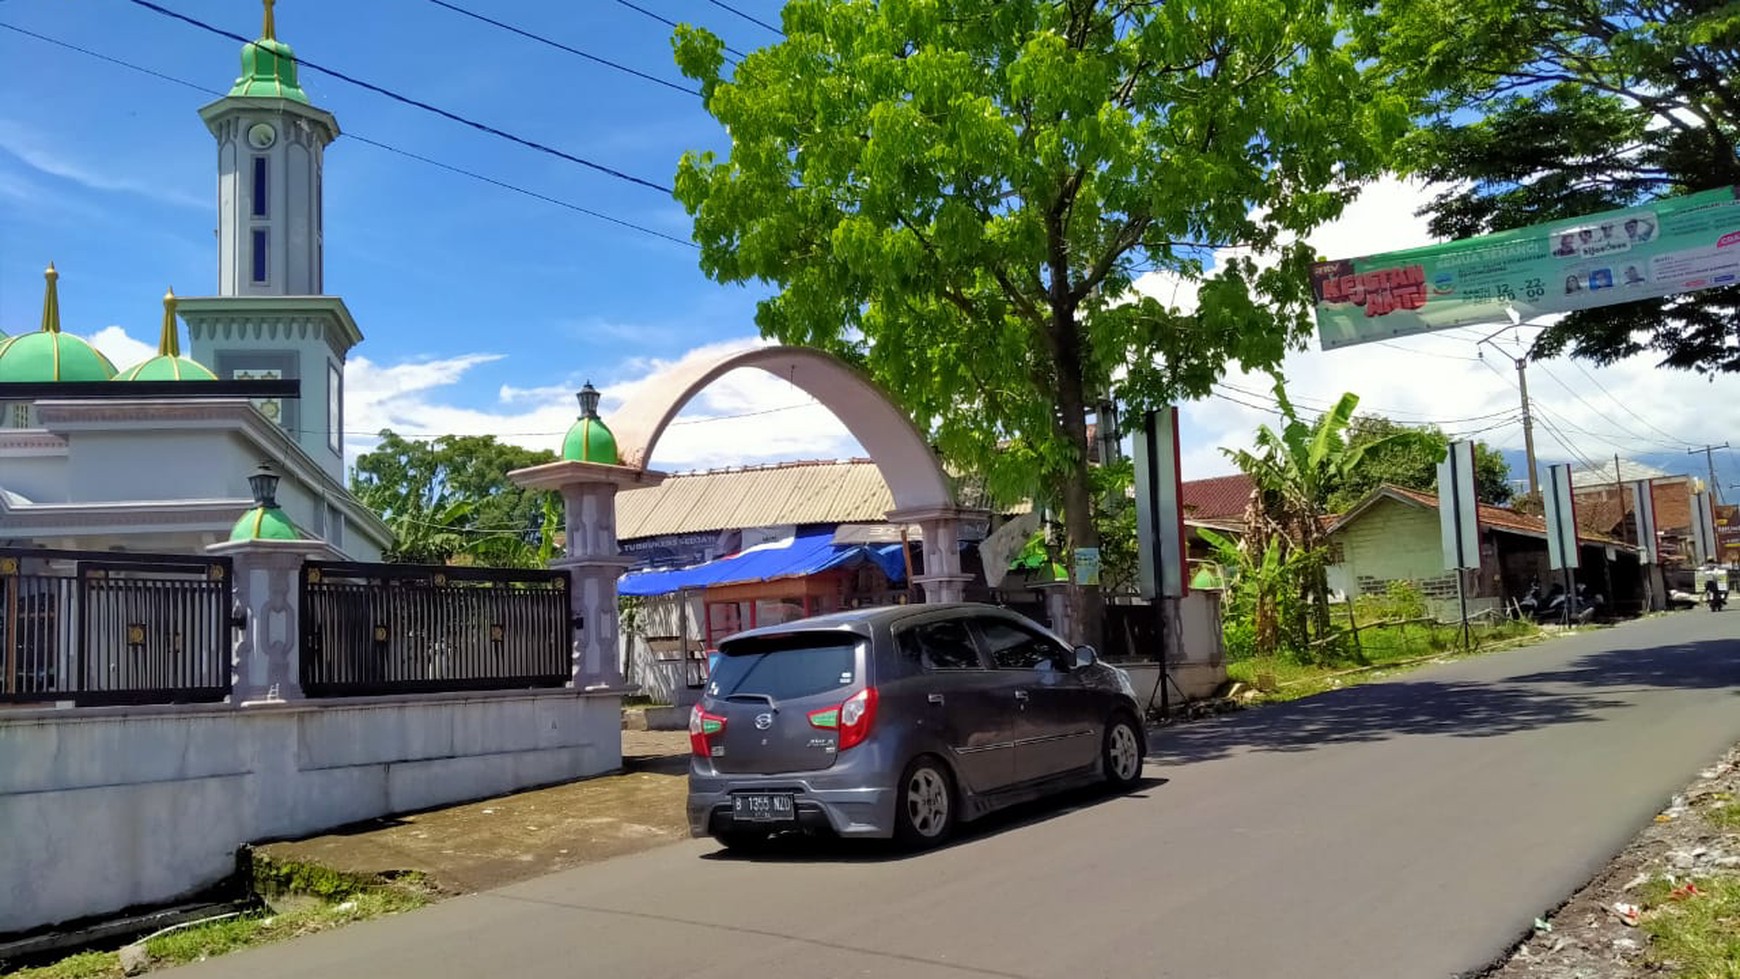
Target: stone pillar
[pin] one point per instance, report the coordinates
(266, 662)
(940, 528)
(592, 562)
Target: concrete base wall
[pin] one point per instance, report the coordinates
(1195, 680)
(102, 809)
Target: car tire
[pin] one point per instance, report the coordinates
(925, 804)
(1122, 751)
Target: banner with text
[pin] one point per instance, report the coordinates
(1674, 245)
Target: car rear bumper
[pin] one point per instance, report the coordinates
(821, 804)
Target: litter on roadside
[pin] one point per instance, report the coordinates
(1628, 912)
(1684, 892)
(1542, 924)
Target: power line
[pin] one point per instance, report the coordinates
(722, 5)
(675, 423)
(1627, 408)
(1321, 404)
(351, 134)
(1585, 403)
(637, 8)
(558, 45)
(415, 103)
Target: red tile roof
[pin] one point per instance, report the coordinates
(1223, 497)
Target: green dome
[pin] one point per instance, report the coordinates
(161, 368)
(52, 356)
(590, 441)
(264, 523)
(169, 364)
(268, 71)
(48, 354)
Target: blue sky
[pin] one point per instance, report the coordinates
(109, 173)
(485, 309)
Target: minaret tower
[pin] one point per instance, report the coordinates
(271, 317)
(270, 144)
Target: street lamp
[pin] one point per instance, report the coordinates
(264, 483)
(588, 401)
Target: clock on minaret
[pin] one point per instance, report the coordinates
(261, 135)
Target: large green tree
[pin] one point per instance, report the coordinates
(958, 196)
(1411, 462)
(1540, 110)
(450, 497)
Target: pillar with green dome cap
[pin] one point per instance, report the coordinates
(588, 477)
(267, 550)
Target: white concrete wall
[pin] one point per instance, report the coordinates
(102, 809)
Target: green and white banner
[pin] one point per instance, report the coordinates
(1679, 244)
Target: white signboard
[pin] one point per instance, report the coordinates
(1703, 528)
(1159, 506)
(1561, 518)
(1643, 511)
(1459, 508)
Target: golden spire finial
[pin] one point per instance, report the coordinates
(169, 345)
(269, 31)
(51, 302)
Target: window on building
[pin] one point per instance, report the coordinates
(19, 415)
(259, 249)
(334, 408)
(260, 187)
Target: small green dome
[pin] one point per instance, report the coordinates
(161, 368)
(268, 71)
(264, 523)
(169, 364)
(590, 441)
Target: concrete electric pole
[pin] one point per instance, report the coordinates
(1709, 452)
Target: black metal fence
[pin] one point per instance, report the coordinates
(399, 628)
(113, 628)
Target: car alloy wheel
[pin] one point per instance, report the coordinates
(927, 802)
(1123, 753)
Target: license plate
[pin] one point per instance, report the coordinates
(763, 808)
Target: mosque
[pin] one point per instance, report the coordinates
(157, 456)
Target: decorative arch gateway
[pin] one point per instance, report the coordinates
(598, 462)
(921, 490)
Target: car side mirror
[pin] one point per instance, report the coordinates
(1085, 657)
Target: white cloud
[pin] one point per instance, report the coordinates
(34, 150)
(745, 417)
(122, 350)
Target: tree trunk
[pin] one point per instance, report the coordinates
(1087, 609)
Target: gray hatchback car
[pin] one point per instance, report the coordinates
(900, 722)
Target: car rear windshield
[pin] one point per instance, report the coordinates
(785, 667)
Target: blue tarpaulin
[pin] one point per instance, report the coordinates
(811, 551)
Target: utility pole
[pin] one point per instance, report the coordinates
(1522, 384)
(1709, 452)
(1528, 422)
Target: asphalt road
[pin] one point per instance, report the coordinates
(1403, 829)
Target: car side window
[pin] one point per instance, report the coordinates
(1015, 648)
(945, 645)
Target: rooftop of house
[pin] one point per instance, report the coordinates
(1217, 498)
(1495, 517)
(1604, 473)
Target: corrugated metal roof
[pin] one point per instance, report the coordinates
(849, 491)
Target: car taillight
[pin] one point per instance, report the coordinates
(852, 718)
(702, 726)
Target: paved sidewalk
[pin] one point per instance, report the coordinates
(479, 845)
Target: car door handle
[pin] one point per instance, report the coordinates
(935, 698)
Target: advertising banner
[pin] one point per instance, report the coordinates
(1459, 508)
(1674, 245)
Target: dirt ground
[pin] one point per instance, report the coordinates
(498, 841)
(1595, 936)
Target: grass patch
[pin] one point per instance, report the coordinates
(1383, 651)
(1725, 815)
(1698, 934)
(311, 899)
